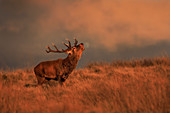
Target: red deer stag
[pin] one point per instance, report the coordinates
(61, 68)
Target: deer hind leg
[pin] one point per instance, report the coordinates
(40, 79)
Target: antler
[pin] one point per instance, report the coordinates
(58, 51)
(75, 44)
(69, 46)
(62, 51)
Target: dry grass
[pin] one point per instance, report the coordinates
(136, 86)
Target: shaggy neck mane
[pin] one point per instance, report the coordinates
(70, 62)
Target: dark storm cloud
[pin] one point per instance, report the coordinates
(109, 28)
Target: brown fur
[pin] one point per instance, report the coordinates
(59, 69)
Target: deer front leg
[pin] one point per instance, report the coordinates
(62, 80)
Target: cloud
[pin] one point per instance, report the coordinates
(110, 23)
(101, 23)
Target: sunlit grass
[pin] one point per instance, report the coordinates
(118, 87)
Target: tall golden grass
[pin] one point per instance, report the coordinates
(135, 86)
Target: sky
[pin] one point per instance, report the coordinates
(110, 29)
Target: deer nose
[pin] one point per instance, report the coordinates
(82, 46)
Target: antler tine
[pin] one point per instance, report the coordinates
(75, 44)
(69, 42)
(55, 46)
(55, 51)
(68, 45)
(49, 50)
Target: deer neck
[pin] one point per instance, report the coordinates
(71, 61)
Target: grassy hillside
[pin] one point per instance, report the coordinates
(136, 86)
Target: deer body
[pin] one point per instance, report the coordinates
(61, 68)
